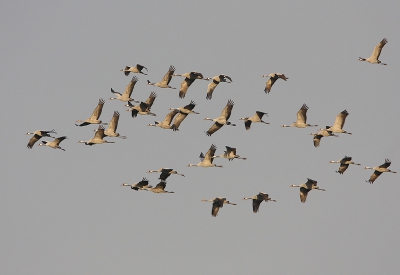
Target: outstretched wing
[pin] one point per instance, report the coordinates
(130, 86)
(178, 120)
(114, 122)
(215, 127)
(185, 86)
(97, 111)
(168, 76)
(226, 112)
(378, 48)
(302, 115)
(151, 99)
(340, 119)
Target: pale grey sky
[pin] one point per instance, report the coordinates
(66, 213)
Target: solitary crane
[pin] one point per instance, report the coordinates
(322, 133)
(166, 123)
(258, 199)
(379, 170)
(164, 83)
(165, 173)
(144, 107)
(137, 69)
(230, 154)
(126, 96)
(301, 121)
(307, 187)
(98, 138)
(160, 188)
(207, 160)
(215, 81)
(189, 79)
(218, 203)
(256, 118)
(339, 122)
(38, 135)
(94, 119)
(374, 58)
(272, 78)
(53, 144)
(222, 119)
(141, 185)
(112, 127)
(183, 112)
(344, 164)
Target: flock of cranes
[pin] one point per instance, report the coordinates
(180, 113)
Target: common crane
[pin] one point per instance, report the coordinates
(214, 83)
(166, 123)
(38, 135)
(307, 187)
(160, 188)
(379, 170)
(94, 119)
(164, 83)
(322, 133)
(272, 78)
(141, 185)
(144, 107)
(55, 144)
(339, 122)
(344, 164)
(98, 138)
(230, 154)
(258, 199)
(165, 173)
(207, 160)
(222, 119)
(189, 79)
(126, 96)
(301, 121)
(218, 203)
(183, 112)
(137, 69)
(256, 118)
(374, 58)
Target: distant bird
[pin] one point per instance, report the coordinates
(165, 173)
(183, 112)
(141, 185)
(344, 164)
(256, 118)
(258, 199)
(53, 144)
(137, 69)
(207, 160)
(379, 170)
(166, 123)
(307, 187)
(144, 107)
(126, 96)
(222, 119)
(98, 138)
(189, 79)
(322, 133)
(230, 154)
(164, 83)
(272, 78)
(215, 81)
(301, 121)
(339, 122)
(38, 135)
(159, 188)
(94, 119)
(112, 127)
(217, 204)
(374, 58)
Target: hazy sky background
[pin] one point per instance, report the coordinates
(66, 213)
